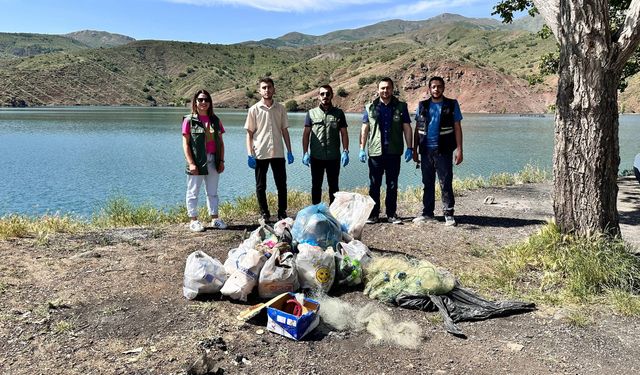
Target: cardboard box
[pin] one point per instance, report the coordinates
(288, 325)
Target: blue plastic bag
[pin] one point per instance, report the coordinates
(316, 226)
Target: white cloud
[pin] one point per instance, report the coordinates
(415, 9)
(283, 5)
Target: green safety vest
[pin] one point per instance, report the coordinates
(198, 139)
(396, 133)
(325, 129)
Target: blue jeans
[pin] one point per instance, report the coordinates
(388, 166)
(433, 162)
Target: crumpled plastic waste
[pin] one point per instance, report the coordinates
(419, 285)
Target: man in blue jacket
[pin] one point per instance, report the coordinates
(438, 135)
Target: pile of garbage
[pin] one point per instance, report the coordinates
(315, 252)
(320, 250)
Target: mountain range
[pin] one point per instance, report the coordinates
(488, 66)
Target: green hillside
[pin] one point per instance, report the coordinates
(165, 73)
(378, 30)
(475, 57)
(97, 39)
(25, 45)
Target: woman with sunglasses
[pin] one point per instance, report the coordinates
(204, 151)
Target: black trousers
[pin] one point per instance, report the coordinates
(279, 176)
(389, 167)
(318, 168)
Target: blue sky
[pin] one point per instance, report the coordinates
(219, 21)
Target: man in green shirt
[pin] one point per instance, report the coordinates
(325, 128)
(385, 123)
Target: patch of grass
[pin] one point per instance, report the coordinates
(63, 326)
(578, 318)
(502, 179)
(119, 212)
(15, 226)
(435, 318)
(557, 268)
(477, 251)
(533, 174)
(625, 303)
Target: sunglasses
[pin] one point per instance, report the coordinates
(202, 100)
(323, 94)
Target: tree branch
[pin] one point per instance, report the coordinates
(550, 11)
(629, 35)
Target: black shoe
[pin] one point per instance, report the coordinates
(394, 220)
(372, 220)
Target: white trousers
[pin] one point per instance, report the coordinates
(210, 185)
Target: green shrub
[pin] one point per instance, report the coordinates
(291, 106)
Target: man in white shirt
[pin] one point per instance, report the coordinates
(266, 127)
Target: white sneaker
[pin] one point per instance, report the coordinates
(217, 223)
(196, 226)
(423, 219)
(449, 221)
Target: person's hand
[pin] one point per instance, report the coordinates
(306, 159)
(289, 157)
(408, 154)
(193, 169)
(415, 156)
(251, 161)
(220, 167)
(344, 159)
(457, 156)
(362, 155)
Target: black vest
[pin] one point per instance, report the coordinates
(447, 138)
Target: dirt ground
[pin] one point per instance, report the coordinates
(111, 302)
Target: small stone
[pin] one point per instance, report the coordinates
(260, 332)
(515, 347)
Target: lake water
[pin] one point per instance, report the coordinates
(72, 160)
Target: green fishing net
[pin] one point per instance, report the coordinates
(388, 277)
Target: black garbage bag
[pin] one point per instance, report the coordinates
(462, 305)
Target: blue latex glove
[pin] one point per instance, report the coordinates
(306, 159)
(289, 157)
(251, 161)
(408, 155)
(362, 156)
(345, 158)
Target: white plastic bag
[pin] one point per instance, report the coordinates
(235, 255)
(279, 275)
(316, 268)
(356, 250)
(242, 280)
(352, 211)
(202, 274)
(280, 226)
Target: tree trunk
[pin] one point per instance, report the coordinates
(586, 155)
